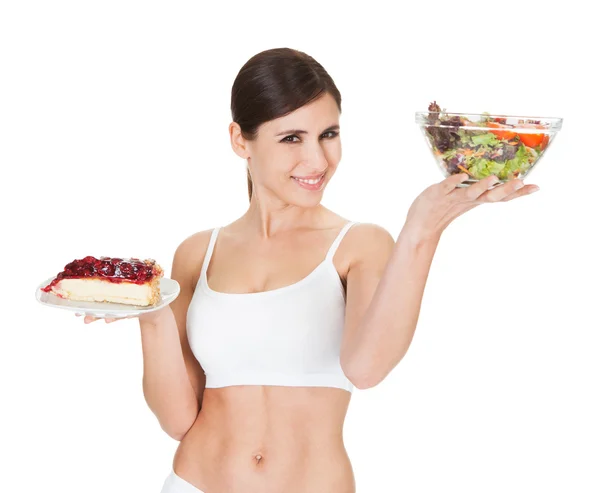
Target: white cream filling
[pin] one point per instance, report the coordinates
(97, 290)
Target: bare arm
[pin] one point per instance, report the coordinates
(385, 288)
(386, 281)
(173, 380)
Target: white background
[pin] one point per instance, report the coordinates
(113, 141)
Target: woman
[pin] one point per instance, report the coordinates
(283, 312)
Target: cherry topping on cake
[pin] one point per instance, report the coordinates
(113, 269)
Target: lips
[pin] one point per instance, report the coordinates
(311, 186)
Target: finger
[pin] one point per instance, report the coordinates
(526, 190)
(452, 181)
(88, 319)
(474, 192)
(109, 320)
(499, 193)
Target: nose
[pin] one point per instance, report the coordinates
(317, 159)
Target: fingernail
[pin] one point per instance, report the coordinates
(533, 190)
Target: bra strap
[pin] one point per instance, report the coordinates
(209, 251)
(339, 238)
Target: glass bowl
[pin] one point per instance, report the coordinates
(481, 144)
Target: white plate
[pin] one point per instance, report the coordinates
(169, 290)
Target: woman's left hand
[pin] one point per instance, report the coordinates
(439, 204)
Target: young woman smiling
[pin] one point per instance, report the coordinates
(287, 309)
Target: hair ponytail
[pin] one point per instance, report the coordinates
(249, 185)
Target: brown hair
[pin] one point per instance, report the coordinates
(274, 83)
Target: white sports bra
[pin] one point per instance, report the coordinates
(289, 336)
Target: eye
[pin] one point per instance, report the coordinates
(330, 135)
(290, 138)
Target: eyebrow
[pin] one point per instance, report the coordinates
(298, 131)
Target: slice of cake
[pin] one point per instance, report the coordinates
(114, 280)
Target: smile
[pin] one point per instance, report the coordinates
(314, 184)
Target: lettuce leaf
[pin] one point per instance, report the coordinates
(519, 163)
(488, 139)
(465, 136)
(481, 167)
(450, 153)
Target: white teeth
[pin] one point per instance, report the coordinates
(310, 182)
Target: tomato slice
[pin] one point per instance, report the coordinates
(501, 134)
(533, 140)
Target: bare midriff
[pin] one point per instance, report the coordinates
(268, 439)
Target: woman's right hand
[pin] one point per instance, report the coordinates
(152, 317)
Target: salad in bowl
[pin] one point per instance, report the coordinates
(483, 144)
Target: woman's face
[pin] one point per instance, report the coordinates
(304, 144)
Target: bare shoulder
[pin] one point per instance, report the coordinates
(189, 257)
(190, 244)
(367, 247)
(369, 241)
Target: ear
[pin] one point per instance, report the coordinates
(238, 143)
